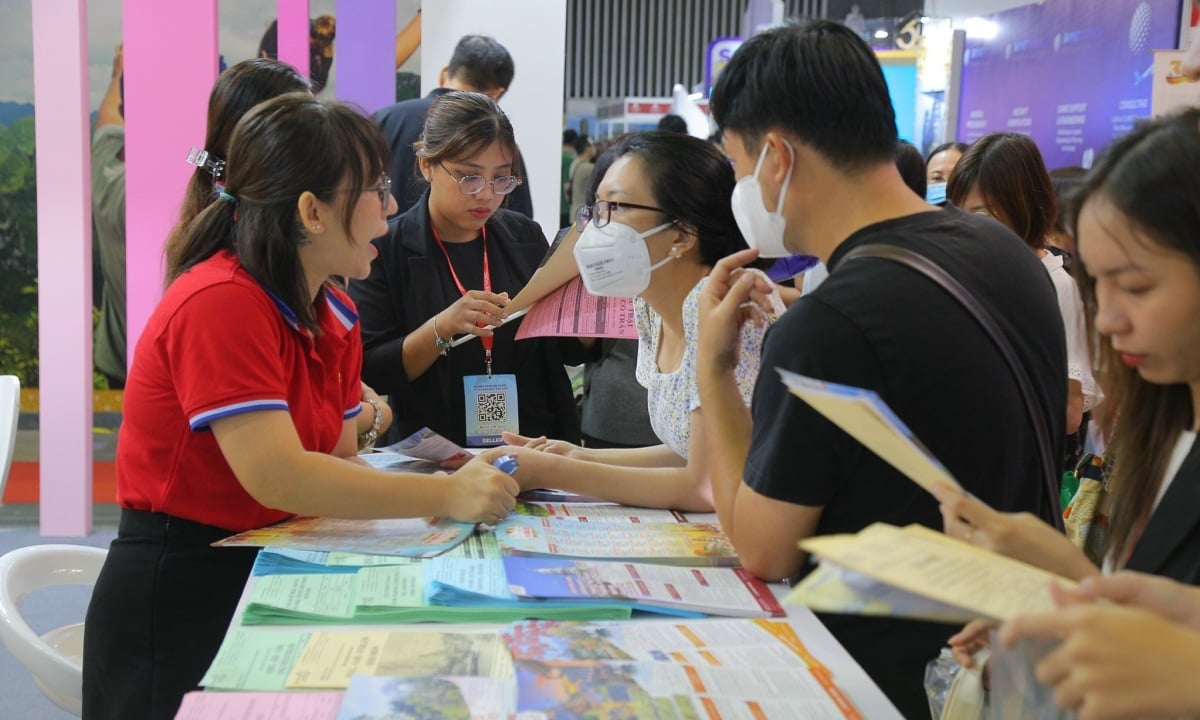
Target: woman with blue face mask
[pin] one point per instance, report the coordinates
(661, 219)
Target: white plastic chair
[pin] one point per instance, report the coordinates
(10, 408)
(56, 658)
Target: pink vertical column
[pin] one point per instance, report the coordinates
(293, 33)
(170, 65)
(365, 52)
(64, 236)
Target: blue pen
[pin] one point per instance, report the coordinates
(791, 266)
(507, 463)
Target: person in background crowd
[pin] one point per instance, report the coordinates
(1002, 176)
(581, 170)
(108, 216)
(1065, 180)
(479, 64)
(568, 157)
(911, 166)
(672, 123)
(938, 165)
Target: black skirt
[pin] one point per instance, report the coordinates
(158, 614)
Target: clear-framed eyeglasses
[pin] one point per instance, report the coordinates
(381, 190)
(474, 184)
(600, 212)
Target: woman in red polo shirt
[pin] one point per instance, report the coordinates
(240, 405)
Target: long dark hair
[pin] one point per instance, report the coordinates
(238, 89)
(282, 148)
(1149, 176)
(1011, 176)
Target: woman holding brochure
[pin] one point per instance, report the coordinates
(241, 402)
(1135, 225)
(660, 220)
(449, 266)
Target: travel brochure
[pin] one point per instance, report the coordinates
(863, 415)
(598, 512)
(731, 592)
(538, 670)
(411, 537)
(454, 590)
(921, 572)
(665, 543)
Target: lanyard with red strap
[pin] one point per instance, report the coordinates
(487, 287)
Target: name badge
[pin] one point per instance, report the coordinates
(491, 406)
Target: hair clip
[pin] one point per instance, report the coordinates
(203, 160)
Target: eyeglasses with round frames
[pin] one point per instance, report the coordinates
(474, 184)
(600, 212)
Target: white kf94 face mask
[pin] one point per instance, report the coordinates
(762, 229)
(613, 260)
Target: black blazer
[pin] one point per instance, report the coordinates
(402, 124)
(410, 281)
(1170, 545)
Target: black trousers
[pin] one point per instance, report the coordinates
(158, 613)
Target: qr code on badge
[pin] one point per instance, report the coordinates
(490, 407)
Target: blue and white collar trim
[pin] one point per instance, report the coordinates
(343, 312)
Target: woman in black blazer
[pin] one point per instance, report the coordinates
(447, 267)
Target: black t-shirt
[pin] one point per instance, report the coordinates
(879, 325)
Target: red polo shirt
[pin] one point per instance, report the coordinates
(219, 344)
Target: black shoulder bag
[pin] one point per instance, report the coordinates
(954, 288)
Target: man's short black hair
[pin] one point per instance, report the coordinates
(482, 63)
(569, 136)
(819, 82)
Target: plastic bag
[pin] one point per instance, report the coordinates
(955, 692)
(1015, 692)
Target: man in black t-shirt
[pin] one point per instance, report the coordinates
(808, 124)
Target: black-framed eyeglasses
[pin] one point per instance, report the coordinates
(474, 184)
(600, 212)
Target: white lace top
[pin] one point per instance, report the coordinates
(1070, 304)
(672, 397)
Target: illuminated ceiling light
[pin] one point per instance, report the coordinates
(978, 27)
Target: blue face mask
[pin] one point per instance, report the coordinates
(935, 193)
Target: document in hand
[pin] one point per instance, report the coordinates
(863, 415)
(732, 592)
(572, 311)
(425, 444)
(915, 563)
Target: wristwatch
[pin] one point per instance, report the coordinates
(365, 439)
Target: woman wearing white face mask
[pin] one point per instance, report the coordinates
(662, 218)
